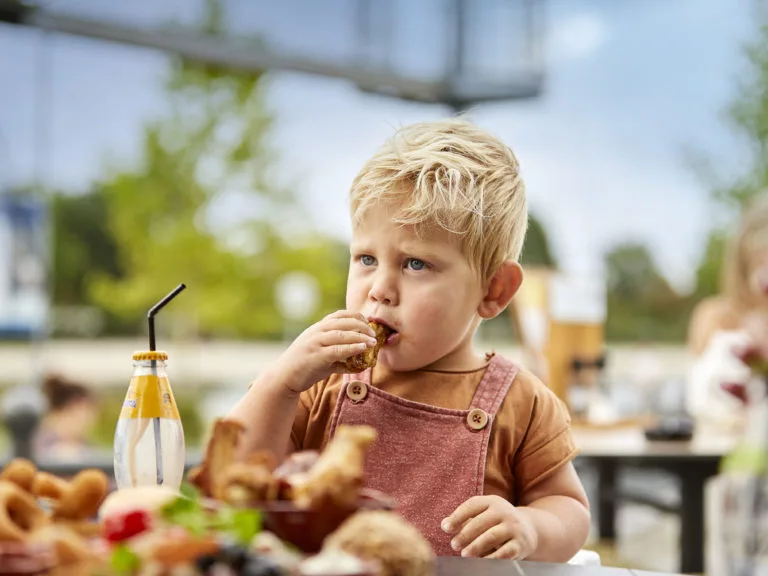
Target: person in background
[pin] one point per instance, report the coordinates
(64, 433)
(722, 324)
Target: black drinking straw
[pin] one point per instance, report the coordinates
(156, 421)
(155, 309)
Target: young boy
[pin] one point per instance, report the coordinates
(476, 452)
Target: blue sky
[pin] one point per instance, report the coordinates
(630, 84)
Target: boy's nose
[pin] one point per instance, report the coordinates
(383, 291)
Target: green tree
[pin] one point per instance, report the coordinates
(82, 246)
(210, 150)
(709, 271)
(641, 303)
(536, 251)
(747, 117)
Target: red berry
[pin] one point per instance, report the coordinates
(124, 525)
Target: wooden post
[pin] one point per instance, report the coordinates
(562, 318)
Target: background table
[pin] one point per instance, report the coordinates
(692, 462)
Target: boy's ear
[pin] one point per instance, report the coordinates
(502, 287)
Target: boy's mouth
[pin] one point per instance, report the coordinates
(385, 331)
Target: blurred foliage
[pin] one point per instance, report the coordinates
(747, 117)
(159, 219)
(188, 404)
(83, 246)
(642, 306)
(709, 271)
(536, 251)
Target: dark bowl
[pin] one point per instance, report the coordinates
(307, 528)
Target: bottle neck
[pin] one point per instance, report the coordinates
(149, 367)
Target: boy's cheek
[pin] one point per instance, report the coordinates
(356, 294)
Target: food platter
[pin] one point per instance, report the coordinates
(311, 515)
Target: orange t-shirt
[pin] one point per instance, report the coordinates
(530, 438)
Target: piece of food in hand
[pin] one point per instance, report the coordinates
(367, 359)
(21, 472)
(398, 547)
(20, 514)
(338, 474)
(220, 453)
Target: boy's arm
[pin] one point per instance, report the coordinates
(267, 410)
(558, 509)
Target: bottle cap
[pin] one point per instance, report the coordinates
(150, 355)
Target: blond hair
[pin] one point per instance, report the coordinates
(751, 236)
(452, 174)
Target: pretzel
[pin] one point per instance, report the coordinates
(367, 359)
(19, 513)
(81, 498)
(21, 472)
(48, 486)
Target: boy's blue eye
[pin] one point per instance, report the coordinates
(416, 264)
(367, 260)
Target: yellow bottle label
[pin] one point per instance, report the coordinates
(149, 397)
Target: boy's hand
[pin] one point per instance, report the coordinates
(491, 527)
(322, 349)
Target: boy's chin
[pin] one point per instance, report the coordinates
(393, 362)
(389, 360)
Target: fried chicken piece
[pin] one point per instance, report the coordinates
(219, 454)
(293, 469)
(338, 473)
(250, 481)
(386, 538)
(367, 359)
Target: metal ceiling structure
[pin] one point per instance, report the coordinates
(456, 86)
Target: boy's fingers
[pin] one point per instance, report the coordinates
(469, 509)
(491, 539)
(472, 531)
(510, 551)
(347, 314)
(350, 324)
(341, 352)
(336, 337)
